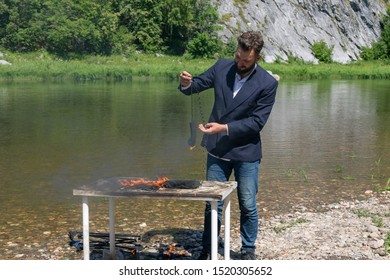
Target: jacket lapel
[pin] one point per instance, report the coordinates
(245, 92)
(228, 88)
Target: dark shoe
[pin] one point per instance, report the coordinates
(248, 255)
(204, 256)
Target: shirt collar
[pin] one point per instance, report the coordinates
(238, 77)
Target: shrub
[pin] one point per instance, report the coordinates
(322, 51)
(203, 45)
(380, 50)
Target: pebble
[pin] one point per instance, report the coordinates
(371, 228)
(376, 243)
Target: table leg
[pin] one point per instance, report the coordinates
(86, 227)
(112, 227)
(227, 228)
(214, 230)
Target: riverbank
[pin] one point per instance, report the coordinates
(353, 230)
(349, 230)
(41, 66)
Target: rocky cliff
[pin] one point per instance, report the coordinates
(290, 27)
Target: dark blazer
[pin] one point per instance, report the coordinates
(245, 115)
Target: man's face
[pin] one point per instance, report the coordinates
(245, 61)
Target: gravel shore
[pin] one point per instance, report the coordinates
(354, 230)
(348, 230)
(358, 230)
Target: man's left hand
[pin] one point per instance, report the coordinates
(212, 128)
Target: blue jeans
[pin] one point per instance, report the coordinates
(246, 175)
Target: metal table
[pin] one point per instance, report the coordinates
(111, 187)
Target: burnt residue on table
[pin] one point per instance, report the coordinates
(171, 189)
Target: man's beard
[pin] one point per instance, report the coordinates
(245, 70)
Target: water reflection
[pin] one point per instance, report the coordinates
(325, 141)
(328, 139)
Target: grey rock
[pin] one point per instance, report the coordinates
(371, 228)
(380, 252)
(374, 235)
(4, 62)
(376, 243)
(291, 27)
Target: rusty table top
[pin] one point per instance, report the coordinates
(112, 187)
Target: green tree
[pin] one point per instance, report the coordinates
(229, 49)
(4, 19)
(143, 19)
(84, 27)
(204, 30)
(60, 26)
(185, 20)
(67, 27)
(205, 17)
(203, 46)
(23, 27)
(178, 15)
(167, 25)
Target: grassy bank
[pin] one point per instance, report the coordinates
(42, 66)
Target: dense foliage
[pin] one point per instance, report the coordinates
(106, 27)
(70, 28)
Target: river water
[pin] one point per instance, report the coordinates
(325, 141)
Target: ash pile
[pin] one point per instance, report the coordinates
(130, 247)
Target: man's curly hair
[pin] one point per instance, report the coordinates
(250, 40)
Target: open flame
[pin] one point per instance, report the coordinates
(153, 183)
(172, 251)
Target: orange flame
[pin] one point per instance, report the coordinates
(171, 250)
(153, 183)
(133, 251)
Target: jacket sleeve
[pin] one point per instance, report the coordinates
(204, 81)
(254, 123)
